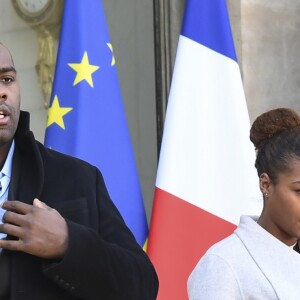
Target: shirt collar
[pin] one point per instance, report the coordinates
(6, 170)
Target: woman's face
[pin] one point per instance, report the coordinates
(281, 213)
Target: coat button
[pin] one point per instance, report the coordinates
(56, 277)
(67, 285)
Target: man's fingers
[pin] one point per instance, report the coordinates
(11, 229)
(23, 208)
(38, 203)
(12, 218)
(14, 245)
(17, 206)
(40, 230)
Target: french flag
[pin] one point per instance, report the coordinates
(206, 176)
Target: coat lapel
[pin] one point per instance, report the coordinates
(26, 184)
(278, 262)
(27, 172)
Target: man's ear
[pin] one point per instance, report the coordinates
(265, 184)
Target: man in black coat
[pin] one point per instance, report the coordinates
(65, 238)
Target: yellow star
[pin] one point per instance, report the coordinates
(56, 113)
(84, 70)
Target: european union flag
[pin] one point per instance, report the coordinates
(86, 117)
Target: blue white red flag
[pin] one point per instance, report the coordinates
(206, 177)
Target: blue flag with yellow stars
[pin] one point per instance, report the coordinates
(86, 117)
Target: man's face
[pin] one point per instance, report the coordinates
(9, 97)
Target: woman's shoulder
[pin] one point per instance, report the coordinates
(215, 276)
(227, 252)
(225, 246)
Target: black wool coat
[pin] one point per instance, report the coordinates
(103, 260)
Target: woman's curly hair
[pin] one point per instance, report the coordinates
(276, 137)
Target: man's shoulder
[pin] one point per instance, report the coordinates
(51, 156)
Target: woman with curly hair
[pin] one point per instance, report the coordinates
(261, 260)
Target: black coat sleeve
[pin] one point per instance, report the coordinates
(104, 262)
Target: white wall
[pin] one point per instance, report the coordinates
(270, 50)
(21, 40)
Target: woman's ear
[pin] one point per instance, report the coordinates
(265, 184)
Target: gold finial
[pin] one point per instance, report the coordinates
(45, 62)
